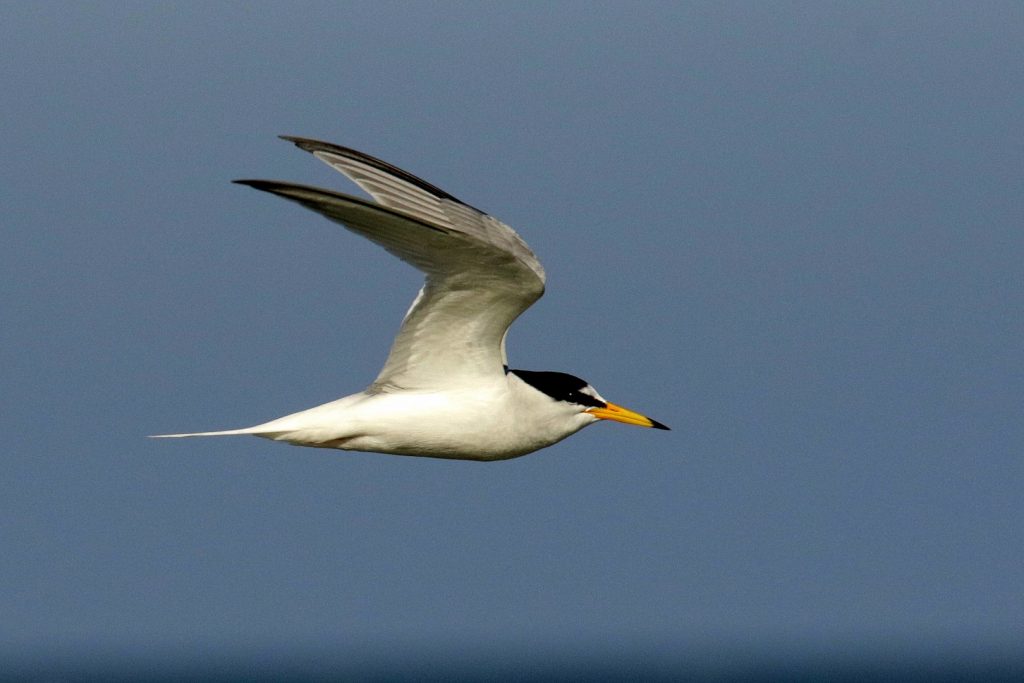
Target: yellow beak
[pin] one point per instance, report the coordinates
(620, 414)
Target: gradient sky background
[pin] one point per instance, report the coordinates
(791, 231)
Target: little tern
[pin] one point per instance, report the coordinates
(446, 390)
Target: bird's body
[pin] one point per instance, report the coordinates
(445, 390)
(485, 421)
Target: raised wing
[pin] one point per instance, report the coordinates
(480, 276)
(400, 190)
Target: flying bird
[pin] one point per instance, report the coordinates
(446, 390)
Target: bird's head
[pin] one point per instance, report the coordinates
(578, 396)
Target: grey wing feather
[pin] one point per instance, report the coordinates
(397, 189)
(480, 276)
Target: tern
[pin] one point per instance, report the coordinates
(446, 389)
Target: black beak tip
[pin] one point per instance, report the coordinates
(658, 425)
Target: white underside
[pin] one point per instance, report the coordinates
(495, 421)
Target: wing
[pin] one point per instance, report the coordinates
(480, 275)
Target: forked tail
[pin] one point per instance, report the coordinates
(226, 432)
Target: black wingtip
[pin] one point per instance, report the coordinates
(264, 185)
(657, 425)
(310, 145)
(281, 189)
(307, 144)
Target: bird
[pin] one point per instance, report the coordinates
(446, 389)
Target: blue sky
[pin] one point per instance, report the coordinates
(791, 231)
